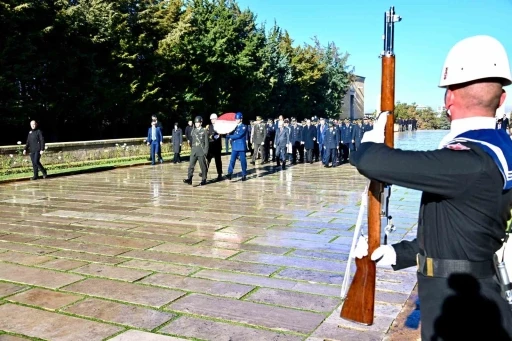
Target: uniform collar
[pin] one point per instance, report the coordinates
(466, 124)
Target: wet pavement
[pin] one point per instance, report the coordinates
(135, 254)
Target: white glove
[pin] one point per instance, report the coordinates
(386, 254)
(361, 249)
(377, 133)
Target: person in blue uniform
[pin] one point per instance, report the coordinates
(321, 129)
(331, 145)
(346, 140)
(357, 134)
(155, 140)
(295, 140)
(238, 147)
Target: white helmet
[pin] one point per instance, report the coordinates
(213, 116)
(475, 58)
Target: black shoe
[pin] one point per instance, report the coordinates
(203, 182)
(188, 181)
(201, 175)
(229, 176)
(253, 163)
(283, 167)
(45, 175)
(219, 178)
(244, 178)
(34, 178)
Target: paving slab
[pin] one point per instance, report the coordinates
(23, 258)
(127, 292)
(52, 326)
(125, 314)
(114, 272)
(137, 335)
(45, 298)
(198, 285)
(32, 276)
(220, 331)
(7, 289)
(248, 313)
(295, 300)
(154, 249)
(6, 337)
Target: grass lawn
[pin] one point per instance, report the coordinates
(98, 166)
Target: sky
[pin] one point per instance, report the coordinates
(422, 39)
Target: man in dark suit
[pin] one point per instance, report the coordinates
(35, 145)
(309, 135)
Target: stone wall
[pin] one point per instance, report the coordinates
(82, 152)
(353, 103)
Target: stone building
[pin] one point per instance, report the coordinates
(353, 103)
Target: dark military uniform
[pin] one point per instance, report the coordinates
(259, 135)
(199, 151)
(461, 224)
(269, 143)
(346, 140)
(331, 145)
(357, 135)
(215, 150)
(295, 140)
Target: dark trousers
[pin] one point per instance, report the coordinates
(250, 147)
(331, 155)
(35, 157)
(266, 149)
(309, 155)
(463, 308)
(202, 164)
(215, 154)
(177, 157)
(346, 151)
(261, 148)
(297, 148)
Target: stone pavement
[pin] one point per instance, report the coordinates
(135, 254)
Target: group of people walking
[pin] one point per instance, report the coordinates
(311, 140)
(281, 142)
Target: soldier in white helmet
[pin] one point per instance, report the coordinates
(466, 199)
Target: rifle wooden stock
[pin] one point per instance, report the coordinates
(359, 304)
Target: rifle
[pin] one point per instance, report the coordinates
(359, 303)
